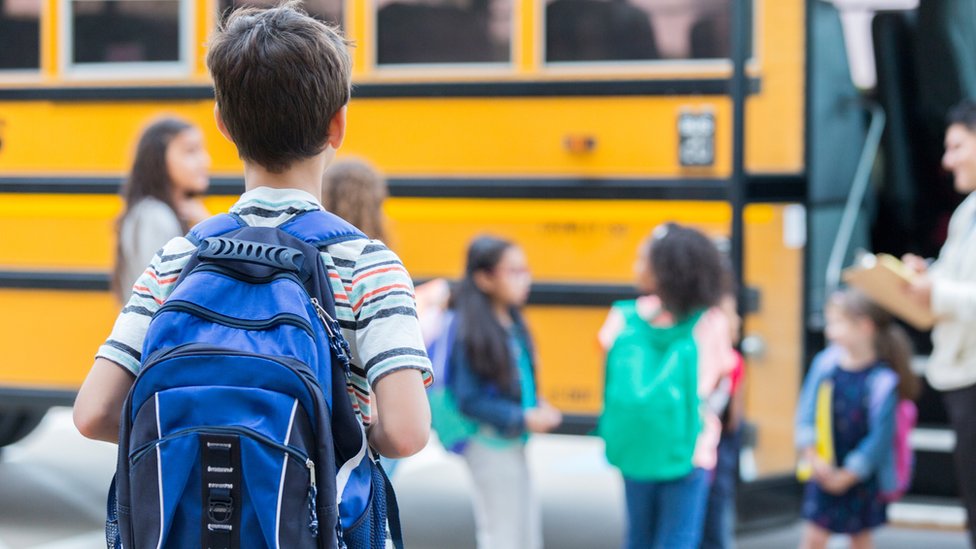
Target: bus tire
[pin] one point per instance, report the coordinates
(15, 424)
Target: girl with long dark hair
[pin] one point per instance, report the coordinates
(493, 380)
(162, 196)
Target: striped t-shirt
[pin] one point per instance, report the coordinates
(373, 293)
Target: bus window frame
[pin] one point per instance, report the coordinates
(435, 71)
(650, 67)
(544, 71)
(30, 75)
(344, 5)
(139, 70)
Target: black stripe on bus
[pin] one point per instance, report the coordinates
(579, 295)
(768, 188)
(434, 187)
(560, 188)
(98, 185)
(577, 424)
(570, 295)
(22, 398)
(403, 90)
(55, 280)
(759, 188)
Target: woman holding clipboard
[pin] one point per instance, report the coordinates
(948, 288)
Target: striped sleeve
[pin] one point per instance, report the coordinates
(124, 345)
(387, 329)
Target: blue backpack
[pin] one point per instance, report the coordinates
(238, 431)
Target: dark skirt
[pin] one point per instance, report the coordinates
(861, 508)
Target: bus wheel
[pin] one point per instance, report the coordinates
(18, 423)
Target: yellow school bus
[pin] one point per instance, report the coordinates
(571, 126)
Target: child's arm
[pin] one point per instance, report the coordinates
(805, 436)
(716, 357)
(390, 348)
(401, 422)
(871, 451)
(507, 417)
(611, 328)
(98, 407)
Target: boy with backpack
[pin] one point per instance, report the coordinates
(249, 350)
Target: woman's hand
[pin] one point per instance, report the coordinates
(915, 263)
(920, 291)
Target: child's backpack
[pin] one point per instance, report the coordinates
(651, 416)
(452, 427)
(894, 482)
(239, 431)
(906, 417)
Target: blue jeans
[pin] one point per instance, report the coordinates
(666, 514)
(719, 531)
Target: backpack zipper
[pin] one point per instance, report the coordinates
(207, 314)
(299, 368)
(338, 344)
(297, 454)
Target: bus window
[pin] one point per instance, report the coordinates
(443, 31)
(324, 10)
(20, 34)
(125, 31)
(637, 30)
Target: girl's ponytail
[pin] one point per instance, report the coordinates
(894, 347)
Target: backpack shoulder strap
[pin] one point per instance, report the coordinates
(320, 229)
(628, 311)
(215, 226)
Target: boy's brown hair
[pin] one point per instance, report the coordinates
(279, 78)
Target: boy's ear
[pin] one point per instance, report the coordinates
(337, 129)
(220, 123)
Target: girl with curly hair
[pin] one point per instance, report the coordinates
(666, 352)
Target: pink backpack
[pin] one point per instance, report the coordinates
(906, 416)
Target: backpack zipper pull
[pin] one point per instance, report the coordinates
(324, 316)
(338, 343)
(313, 516)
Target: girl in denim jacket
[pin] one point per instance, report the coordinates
(848, 453)
(493, 380)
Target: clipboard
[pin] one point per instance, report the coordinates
(883, 278)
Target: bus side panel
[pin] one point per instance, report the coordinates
(49, 338)
(774, 241)
(567, 241)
